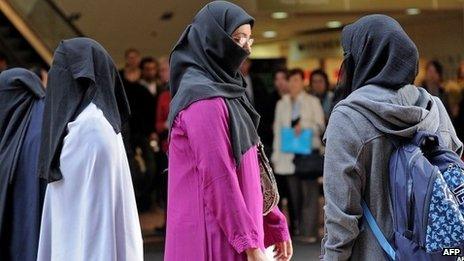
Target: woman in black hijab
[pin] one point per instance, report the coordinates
(214, 193)
(89, 210)
(21, 192)
(378, 107)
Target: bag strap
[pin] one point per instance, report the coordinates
(377, 232)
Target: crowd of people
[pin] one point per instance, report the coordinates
(289, 103)
(146, 84)
(199, 121)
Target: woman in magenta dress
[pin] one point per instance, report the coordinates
(215, 204)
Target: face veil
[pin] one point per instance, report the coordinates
(82, 72)
(205, 64)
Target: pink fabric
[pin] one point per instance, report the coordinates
(214, 209)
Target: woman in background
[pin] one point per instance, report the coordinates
(215, 204)
(21, 191)
(280, 89)
(299, 110)
(320, 87)
(89, 209)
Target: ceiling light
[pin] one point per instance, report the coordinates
(270, 34)
(413, 11)
(279, 15)
(334, 24)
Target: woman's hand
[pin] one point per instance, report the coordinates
(255, 254)
(283, 251)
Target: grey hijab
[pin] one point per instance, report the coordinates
(205, 64)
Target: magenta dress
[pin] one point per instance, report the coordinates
(214, 207)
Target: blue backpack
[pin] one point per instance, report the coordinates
(427, 195)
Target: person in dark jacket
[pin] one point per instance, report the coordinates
(320, 87)
(433, 81)
(259, 98)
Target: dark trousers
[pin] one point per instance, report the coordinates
(282, 186)
(161, 180)
(303, 206)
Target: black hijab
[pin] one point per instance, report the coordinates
(19, 89)
(82, 72)
(205, 63)
(379, 52)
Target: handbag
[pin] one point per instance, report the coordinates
(268, 182)
(309, 166)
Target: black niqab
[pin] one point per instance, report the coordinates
(205, 64)
(82, 73)
(19, 89)
(377, 52)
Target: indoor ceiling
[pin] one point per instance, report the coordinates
(119, 24)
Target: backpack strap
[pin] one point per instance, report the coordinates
(383, 242)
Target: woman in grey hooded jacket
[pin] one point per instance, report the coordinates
(378, 104)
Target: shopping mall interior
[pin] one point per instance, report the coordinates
(302, 34)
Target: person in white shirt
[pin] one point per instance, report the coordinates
(299, 110)
(89, 210)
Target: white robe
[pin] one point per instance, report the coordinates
(91, 213)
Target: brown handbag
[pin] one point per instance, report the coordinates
(268, 182)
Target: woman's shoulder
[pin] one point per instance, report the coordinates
(91, 122)
(86, 117)
(310, 98)
(344, 122)
(284, 99)
(207, 105)
(211, 109)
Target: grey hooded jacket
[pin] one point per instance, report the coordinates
(359, 142)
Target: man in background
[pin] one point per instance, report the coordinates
(163, 72)
(433, 82)
(149, 75)
(280, 89)
(162, 129)
(259, 98)
(141, 128)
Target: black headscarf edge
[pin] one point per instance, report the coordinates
(197, 83)
(357, 35)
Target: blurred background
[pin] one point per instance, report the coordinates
(289, 34)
